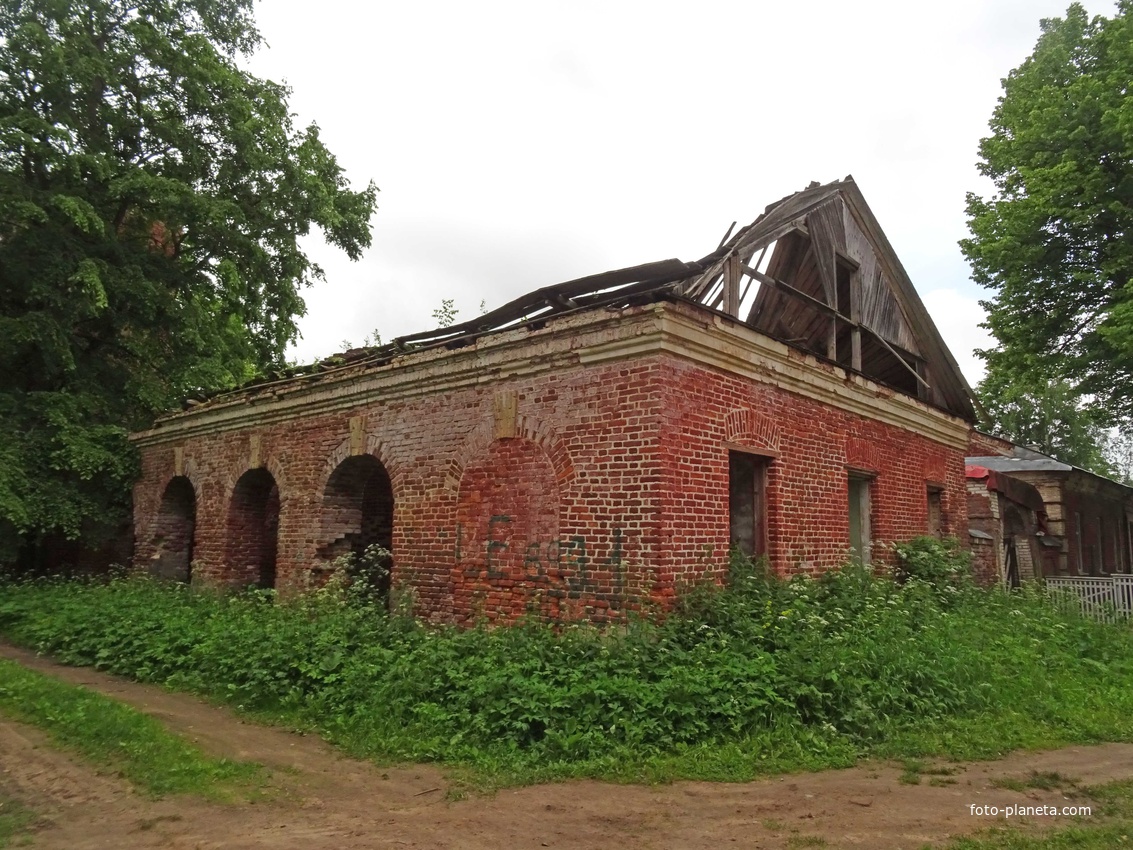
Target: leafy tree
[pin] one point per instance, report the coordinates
(1054, 241)
(1047, 416)
(152, 195)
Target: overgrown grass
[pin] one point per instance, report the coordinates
(1110, 825)
(16, 820)
(760, 677)
(117, 737)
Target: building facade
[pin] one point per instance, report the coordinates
(592, 447)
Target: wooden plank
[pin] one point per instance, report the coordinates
(823, 236)
(900, 359)
(726, 236)
(856, 315)
(818, 305)
(732, 286)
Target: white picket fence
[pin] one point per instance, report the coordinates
(1107, 598)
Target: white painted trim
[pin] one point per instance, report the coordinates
(680, 330)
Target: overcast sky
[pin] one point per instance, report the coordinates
(521, 144)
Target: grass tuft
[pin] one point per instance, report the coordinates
(117, 737)
(16, 821)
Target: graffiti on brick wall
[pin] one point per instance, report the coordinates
(569, 564)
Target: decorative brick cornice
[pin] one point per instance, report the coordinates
(679, 330)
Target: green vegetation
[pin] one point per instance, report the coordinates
(1051, 241)
(1109, 825)
(117, 737)
(1046, 781)
(153, 198)
(15, 821)
(762, 676)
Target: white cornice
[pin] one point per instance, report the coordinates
(712, 340)
(679, 330)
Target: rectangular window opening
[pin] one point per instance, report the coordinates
(747, 499)
(935, 496)
(860, 509)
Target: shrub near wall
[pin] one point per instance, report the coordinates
(762, 675)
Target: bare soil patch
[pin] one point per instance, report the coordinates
(324, 801)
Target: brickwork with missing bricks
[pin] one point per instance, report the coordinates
(574, 470)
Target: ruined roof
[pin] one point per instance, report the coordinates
(1029, 460)
(1015, 489)
(814, 271)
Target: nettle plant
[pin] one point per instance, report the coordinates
(941, 563)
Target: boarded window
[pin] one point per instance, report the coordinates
(935, 498)
(860, 508)
(747, 500)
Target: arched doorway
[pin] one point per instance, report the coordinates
(253, 529)
(173, 534)
(1014, 535)
(358, 514)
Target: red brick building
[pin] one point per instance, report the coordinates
(595, 445)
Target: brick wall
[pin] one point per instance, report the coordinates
(985, 445)
(813, 448)
(580, 484)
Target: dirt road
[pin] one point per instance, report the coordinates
(324, 801)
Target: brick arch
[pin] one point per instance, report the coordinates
(935, 468)
(251, 521)
(173, 530)
(507, 517)
(751, 428)
(270, 463)
(374, 447)
(863, 453)
(356, 507)
(527, 428)
(190, 471)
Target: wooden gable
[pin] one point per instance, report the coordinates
(816, 271)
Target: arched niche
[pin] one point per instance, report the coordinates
(357, 513)
(253, 529)
(174, 531)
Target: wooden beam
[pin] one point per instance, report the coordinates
(820, 306)
(900, 359)
(732, 286)
(835, 315)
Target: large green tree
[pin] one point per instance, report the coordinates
(1054, 240)
(152, 198)
(1047, 416)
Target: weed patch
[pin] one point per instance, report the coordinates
(759, 677)
(116, 737)
(16, 821)
(1110, 824)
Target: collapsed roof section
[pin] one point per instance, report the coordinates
(815, 271)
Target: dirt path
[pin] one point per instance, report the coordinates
(328, 802)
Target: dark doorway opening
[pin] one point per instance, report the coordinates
(861, 510)
(253, 529)
(747, 503)
(173, 536)
(358, 515)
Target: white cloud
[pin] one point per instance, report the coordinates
(957, 316)
(520, 144)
